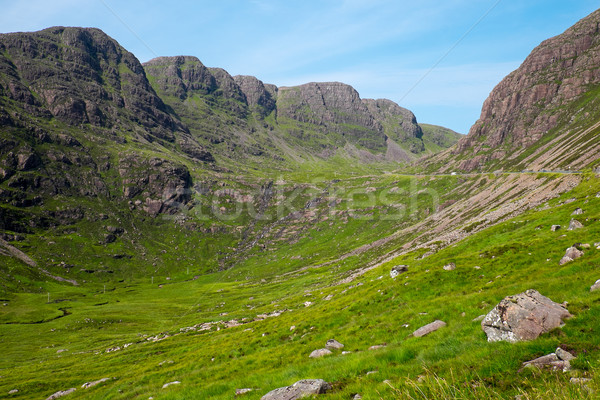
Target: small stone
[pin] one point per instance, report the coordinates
(292, 327)
(479, 318)
(346, 352)
(88, 385)
(595, 286)
(298, 390)
(377, 347)
(239, 392)
(357, 397)
(320, 353)
(14, 391)
(166, 385)
(578, 211)
(450, 267)
(554, 228)
(372, 372)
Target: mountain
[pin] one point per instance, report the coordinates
(241, 116)
(544, 115)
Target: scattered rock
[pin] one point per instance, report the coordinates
(14, 391)
(377, 347)
(298, 390)
(61, 393)
(524, 316)
(357, 397)
(553, 361)
(427, 329)
(333, 344)
(564, 355)
(450, 267)
(166, 385)
(320, 353)
(578, 211)
(88, 385)
(572, 253)
(579, 381)
(372, 372)
(554, 228)
(595, 286)
(239, 392)
(574, 224)
(397, 270)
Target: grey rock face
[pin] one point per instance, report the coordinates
(298, 390)
(524, 316)
(427, 329)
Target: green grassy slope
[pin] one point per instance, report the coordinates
(133, 328)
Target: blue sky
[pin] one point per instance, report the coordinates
(439, 59)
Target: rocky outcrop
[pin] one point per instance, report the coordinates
(537, 97)
(162, 185)
(333, 105)
(298, 390)
(524, 316)
(258, 96)
(399, 124)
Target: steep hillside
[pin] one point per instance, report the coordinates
(544, 115)
(437, 138)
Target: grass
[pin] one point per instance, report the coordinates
(111, 317)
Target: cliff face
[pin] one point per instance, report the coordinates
(537, 98)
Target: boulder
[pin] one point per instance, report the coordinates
(572, 253)
(558, 361)
(574, 224)
(450, 267)
(595, 286)
(427, 329)
(397, 270)
(578, 211)
(554, 228)
(298, 390)
(320, 353)
(524, 316)
(333, 344)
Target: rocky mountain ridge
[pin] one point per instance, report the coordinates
(552, 94)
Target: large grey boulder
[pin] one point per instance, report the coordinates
(427, 329)
(298, 390)
(524, 316)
